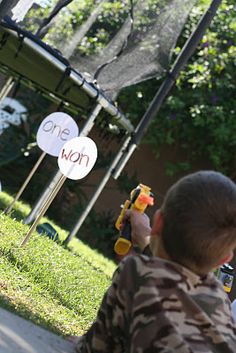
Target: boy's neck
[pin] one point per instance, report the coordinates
(158, 249)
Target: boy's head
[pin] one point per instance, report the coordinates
(197, 221)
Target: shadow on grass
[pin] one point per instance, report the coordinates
(24, 312)
(16, 212)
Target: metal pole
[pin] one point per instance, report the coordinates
(91, 120)
(169, 82)
(44, 209)
(39, 204)
(6, 88)
(97, 193)
(27, 180)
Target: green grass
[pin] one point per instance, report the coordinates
(57, 288)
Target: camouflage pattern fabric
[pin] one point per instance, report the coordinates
(154, 305)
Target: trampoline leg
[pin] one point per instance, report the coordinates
(6, 88)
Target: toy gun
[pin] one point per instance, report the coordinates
(226, 275)
(140, 198)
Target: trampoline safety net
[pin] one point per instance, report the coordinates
(134, 48)
(151, 38)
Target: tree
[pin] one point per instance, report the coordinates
(6, 7)
(81, 32)
(48, 22)
(199, 115)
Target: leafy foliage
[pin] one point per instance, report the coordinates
(199, 115)
(69, 20)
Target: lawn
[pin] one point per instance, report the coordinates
(55, 287)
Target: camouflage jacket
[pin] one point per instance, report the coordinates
(154, 305)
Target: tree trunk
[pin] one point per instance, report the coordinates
(6, 7)
(82, 30)
(48, 22)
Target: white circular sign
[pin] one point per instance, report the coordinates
(0, 186)
(77, 157)
(54, 131)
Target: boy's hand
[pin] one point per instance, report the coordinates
(140, 228)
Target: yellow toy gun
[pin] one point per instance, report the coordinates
(140, 198)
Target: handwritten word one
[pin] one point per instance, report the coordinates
(51, 127)
(54, 131)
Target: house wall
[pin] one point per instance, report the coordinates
(149, 171)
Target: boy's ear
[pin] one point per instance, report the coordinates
(157, 223)
(226, 259)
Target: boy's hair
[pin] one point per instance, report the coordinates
(199, 214)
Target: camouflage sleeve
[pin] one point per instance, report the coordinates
(106, 335)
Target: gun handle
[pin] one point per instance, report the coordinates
(123, 243)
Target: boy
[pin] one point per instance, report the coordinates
(171, 302)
